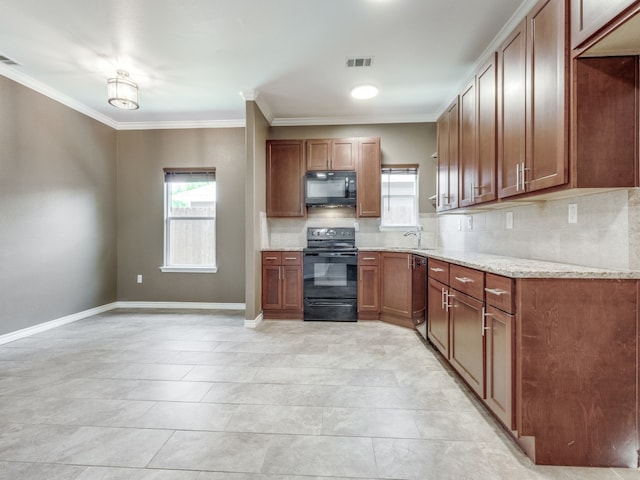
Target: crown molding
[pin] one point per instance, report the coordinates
(179, 124)
(305, 121)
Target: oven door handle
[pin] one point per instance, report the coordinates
(331, 254)
(330, 304)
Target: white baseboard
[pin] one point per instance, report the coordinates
(253, 323)
(42, 327)
(182, 305)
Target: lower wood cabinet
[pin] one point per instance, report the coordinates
(282, 285)
(368, 286)
(554, 359)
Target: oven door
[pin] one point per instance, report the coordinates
(330, 275)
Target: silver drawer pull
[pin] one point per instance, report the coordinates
(290, 258)
(495, 291)
(464, 279)
(270, 258)
(368, 259)
(437, 269)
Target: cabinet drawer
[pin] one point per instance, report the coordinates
(271, 258)
(499, 292)
(467, 280)
(438, 270)
(291, 258)
(368, 258)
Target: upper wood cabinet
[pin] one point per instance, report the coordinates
(589, 16)
(368, 177)
(477, 170)
(533, 103)
(332, 154)
(285, 177)
(448, 150)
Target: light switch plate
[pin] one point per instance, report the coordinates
(573, 213)
(509, 221)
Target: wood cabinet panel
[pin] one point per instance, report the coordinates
(292, 287)
(318, 154)
(285, 176)
(486, 86)
(369, 288)
(396, 286)
(282, 284)
(546, 163)
(606, 116)
(467, 340)
(500, 292)
(589, 16)
(577, 343)
(271, 288)
(368, 177)
(512, 110)
(467, 280)
(468, 173)
(439, 270)
(499, 340)
(438, 316)
(448, 158)
(344, 154)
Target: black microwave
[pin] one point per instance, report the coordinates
(330, 189)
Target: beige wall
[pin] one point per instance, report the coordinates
(256, 136)
(57, 210)
(141, 157)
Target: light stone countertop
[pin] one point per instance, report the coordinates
(515, 267)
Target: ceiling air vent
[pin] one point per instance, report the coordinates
(7, 60)
(359, 62)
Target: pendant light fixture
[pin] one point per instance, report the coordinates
(122, 91)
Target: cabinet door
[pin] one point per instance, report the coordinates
(588, 16)
(468, 160)
(448, 158)
(271, 287)
(368, 177)
(511, 111)
(344, 153)
(318, 154)
(438, 316)
(285, 175)
(396, 284)
(499, 338)
(486, 85)
(467, 339)
(369, 288)
(292, 287)
(547, 113)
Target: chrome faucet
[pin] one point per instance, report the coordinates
(417, 232)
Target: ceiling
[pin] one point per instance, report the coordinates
(193, 58)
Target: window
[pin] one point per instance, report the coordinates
(399, 196)
(190, 220)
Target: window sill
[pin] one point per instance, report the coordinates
(166, 269)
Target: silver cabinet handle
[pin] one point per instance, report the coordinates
(290, 258)
(437, 269)
(495, 291)
(270, 258)
(517, 177)
(464, 279)
(522, 174)
(368, 259)
(484, 323)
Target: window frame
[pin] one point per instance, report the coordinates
(401, 168)
(208, 174)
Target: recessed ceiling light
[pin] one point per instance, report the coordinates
(364, 92)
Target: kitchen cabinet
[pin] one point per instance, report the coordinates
(499, 322)
(368, 285)
(400, 302)
(332, 154)
(438, 305)
(533, 108)
(478, 159)
(448, 150)
(368, 177)
(589, 16)
(466, 297)
(282, 284)
(285, 178)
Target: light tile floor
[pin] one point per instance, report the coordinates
(168, 395)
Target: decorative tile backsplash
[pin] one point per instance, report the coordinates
(606, 234)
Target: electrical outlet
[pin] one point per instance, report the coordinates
(139, 279)
(469, 222)
(573, 213)
(509, 221)
(459, 223)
